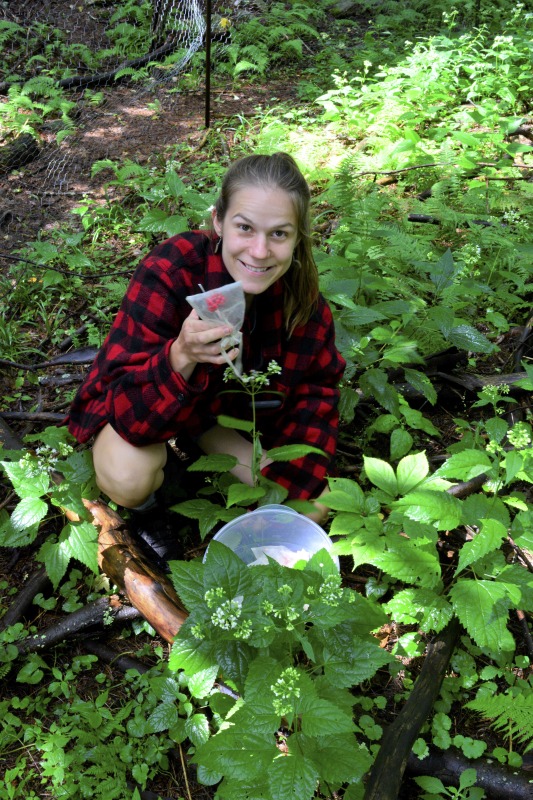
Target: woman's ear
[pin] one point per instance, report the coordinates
(216, 224)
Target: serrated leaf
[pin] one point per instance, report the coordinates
(188, 580)
(291, 452)
(56, 558)
(381, 474)
(321, 717)
(225, 570)
(435, 507)
(244, 755)
(82, 541)
(488, 539)
(292, 775)
(201, 683)
(190, 656)
(340, 759)
(482, 607)
(28, 513)
(241, 493)
(27, 482)
(197, 729)
(411, 471)
(350, 669)
(163, 717)
(466, 337)
(235, 423)
(214, 462)
(464, 465)
(421, 383)
(410, 563)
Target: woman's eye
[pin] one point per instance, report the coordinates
(244, 228)
(280, 234)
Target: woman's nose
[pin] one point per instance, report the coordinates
(259, 247)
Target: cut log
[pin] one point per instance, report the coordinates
(148, 589)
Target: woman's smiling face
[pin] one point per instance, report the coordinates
(259, 233)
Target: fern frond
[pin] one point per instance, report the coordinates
(510, 713)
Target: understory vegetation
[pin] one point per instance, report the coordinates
(414, 127)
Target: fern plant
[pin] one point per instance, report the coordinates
(510, 713)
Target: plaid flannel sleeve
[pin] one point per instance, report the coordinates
(311, 415)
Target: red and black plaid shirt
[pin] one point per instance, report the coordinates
(132, 386)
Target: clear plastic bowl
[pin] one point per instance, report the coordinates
(275, 531)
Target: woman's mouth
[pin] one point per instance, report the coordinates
(255, 270)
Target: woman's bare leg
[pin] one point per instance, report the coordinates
(126, 474)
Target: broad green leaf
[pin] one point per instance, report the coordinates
(352, 668)
(466, 337)
(224, 569)
(415, 419)
(482, 607)
(442, 272)
(26, 516)
(409, 563)
(56, 558)
(421, 383)
(82, 541)
(320, 717)
(188, 580)
(236, 424)
(339, 500)
(28, 479)
(201, 683)
(420, 606)
(244, 755)
(197, 729)
(214, 462)
(291, 452)
(514, 463)
(488, 539)
(381, 474)
(433, 785)
(163, 717)
(340, 759)
(411, 471)
(292, 775)
(189, 655)
(401, 442)
(242, 494)
(465, 465)
(436, 507)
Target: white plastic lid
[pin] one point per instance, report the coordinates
(275, 531)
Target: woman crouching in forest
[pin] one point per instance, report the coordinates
(160, 372)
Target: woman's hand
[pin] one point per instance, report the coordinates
(199, 342)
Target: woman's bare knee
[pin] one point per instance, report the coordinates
(126, 474)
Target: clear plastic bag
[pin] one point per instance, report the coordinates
(225, 306)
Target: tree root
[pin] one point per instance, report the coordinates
(386, 774)
(499, 782)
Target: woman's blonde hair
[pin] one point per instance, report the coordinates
(280, 171)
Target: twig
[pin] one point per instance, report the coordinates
(112, 657)
(33, 416)
(184, 772)
(38, 582)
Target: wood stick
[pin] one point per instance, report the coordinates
(386, 774)
(147, 588)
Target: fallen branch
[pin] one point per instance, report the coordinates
(499, 782)
(113, 657)
(38, 582)
(100, 612)
(386, 774)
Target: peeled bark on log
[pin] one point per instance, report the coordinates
(18, 153)
(498, 782)
(148, 589)
(385, 777)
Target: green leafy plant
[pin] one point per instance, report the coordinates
(292, 642)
